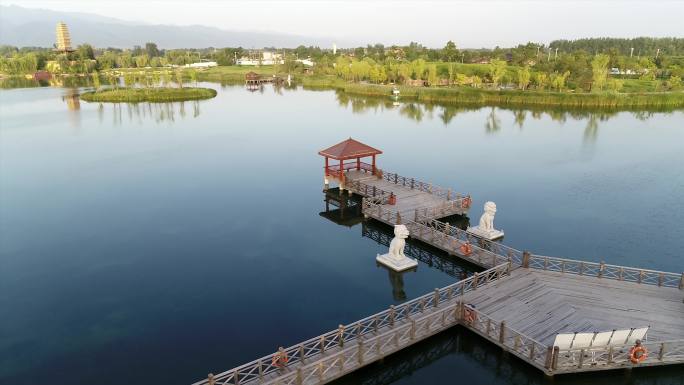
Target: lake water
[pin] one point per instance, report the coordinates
(153, 244)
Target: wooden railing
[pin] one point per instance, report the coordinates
(458, 205)
(449, 238)
(602, 270)
(615, 356)
(370, 193)
(505, 253)
(414, 184)
(351, 346)
(527, 348)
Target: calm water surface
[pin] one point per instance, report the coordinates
(154, 243)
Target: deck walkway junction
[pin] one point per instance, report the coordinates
(526, 304)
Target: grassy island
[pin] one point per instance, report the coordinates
(513, 98)
(150, 94)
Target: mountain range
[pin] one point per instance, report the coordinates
(24, 27)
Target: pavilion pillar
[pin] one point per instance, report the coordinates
(341, 176)
(373, 164)
(326, 182)
(358, 164)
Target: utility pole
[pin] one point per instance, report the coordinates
(631, 52)
(538, 52)
(555, 56)
(657, 52)
(549, 58)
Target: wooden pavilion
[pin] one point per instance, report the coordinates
(348, 155)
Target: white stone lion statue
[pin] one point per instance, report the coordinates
(396, 248)
(487, 219)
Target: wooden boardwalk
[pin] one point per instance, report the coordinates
(410, 194)
(520, 302)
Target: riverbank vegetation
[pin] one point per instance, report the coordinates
(575, 73)
(511, 98)
(134, 95)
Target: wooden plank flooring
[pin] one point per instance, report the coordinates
(408, 200)
(542, 304)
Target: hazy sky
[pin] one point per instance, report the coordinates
(469, 23)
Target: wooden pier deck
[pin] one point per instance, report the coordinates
(519, 303)
(411, 194)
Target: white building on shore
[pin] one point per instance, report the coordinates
(257, 58)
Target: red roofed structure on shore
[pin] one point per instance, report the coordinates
(346, 150)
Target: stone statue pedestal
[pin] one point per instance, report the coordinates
(486, 228)
(396, 264)
(486, 234)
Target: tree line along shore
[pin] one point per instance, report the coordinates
(587, 72)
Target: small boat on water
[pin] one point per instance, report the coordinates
(395, 91)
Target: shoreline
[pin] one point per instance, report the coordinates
(509, 98)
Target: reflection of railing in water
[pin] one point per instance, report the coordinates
(465, 345)
(338, 352)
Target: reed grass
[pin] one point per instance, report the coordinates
(151, 94)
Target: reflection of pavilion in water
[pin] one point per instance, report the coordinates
(345, 210)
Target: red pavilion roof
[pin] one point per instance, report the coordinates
(349, 149)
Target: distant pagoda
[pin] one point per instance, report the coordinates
(63, 39)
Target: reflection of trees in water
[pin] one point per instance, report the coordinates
(493, 123)
(643, 115)
(412, 111)
(159, 112)
(520, 116)
(360, 104)
(591, 129)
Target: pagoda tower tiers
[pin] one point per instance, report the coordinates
(63, 38)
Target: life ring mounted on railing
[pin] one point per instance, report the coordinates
(466, 249)
(279, 358)
(469, 314)
(466, 202)
(637, 353)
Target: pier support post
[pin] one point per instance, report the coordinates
(602, 266)
(549, 358)
(391, 316)
(210, 379)
(554, 364)
(526, 259)
(340, 336)
(502, 332)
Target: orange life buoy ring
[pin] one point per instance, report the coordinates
(637, 354)
(466, 202)
(466, 249)
(279, 359)
(470, 316)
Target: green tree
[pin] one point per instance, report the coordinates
(418, 68)
(449, 52)
(599, 71)
(432, 75)
(85, 52)
(179, 78)
(523, 77)
(452, 73)
(151, 49)
(404, 72)
(497, 68)
(558, 80)
(540, 80)
(674, 82)
(96, 80)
